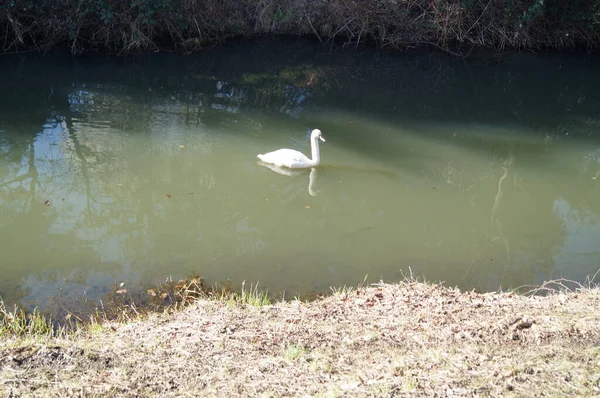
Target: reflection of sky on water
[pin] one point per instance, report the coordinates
(579, 255)
(65, 288)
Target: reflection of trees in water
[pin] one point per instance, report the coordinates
(30, 204)
(512, 249)
(109, 193)
(54, 190)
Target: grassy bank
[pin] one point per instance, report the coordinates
(186, 25)
(385, 340)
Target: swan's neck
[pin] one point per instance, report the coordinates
(314, 148)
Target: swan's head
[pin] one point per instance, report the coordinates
(316, 133)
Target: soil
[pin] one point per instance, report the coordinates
(380, 341)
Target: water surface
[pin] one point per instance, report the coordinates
(479, 173)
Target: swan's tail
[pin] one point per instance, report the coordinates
(260, 156)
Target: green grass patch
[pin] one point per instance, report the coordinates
(294, 352)
(252, 296)
(20, 323)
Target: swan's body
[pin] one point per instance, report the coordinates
(294, 159)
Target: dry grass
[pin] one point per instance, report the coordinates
(384, 340)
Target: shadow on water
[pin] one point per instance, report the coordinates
(142, 168)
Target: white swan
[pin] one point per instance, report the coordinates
(294, 159)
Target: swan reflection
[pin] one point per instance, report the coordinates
(284, 171)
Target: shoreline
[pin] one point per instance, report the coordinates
(381, 340)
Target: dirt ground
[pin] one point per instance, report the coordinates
(407, 339)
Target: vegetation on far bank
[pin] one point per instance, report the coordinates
(399, 339)
(186, 25)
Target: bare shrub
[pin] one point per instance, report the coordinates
(187, 24)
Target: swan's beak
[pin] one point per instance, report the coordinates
(322, 139)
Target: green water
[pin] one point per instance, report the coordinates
(479, 173)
